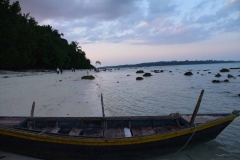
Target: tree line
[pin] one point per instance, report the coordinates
(169, 63)
(26, 45)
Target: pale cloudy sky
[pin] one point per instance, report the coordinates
(117, 32)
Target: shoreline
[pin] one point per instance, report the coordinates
(63, 95)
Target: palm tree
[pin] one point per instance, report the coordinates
(97, 62)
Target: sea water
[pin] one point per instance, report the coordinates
(171, 91)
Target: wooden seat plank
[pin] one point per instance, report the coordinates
(144, 131)
(95, 133)
(147, 131)
(75, 132)
(55, 130)
(110, 133)
(136, 132)
(47, 129)
(161, 129)
(151, 130)
(119, 132)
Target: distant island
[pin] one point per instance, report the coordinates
(169, 63)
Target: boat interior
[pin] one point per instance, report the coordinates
(110, 127)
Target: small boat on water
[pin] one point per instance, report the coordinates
(101, 137)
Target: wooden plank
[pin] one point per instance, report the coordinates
(95, 133)
(75, 132)
(55, 130)
(202, 119)
(30, 124)
(161, 129)
(144, 131)
(110, 133)
(196, 108)
(151, 130)
(10, 121)
(47, 129)
(136, 132)
(147, 131)
(119, 132)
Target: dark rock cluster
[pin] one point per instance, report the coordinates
(88, 77)
(188, 74)
(218, 75)
(147, 75)
(224, 70)
(139, 78)
(140, 71)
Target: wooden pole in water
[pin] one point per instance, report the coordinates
(32, 111)
(102, 105)
(196, 108)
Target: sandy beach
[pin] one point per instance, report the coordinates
(63, 95)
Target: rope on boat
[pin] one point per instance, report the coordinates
(174, 115)
(179, 124)
(187, 141)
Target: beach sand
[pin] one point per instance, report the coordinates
(63, 95)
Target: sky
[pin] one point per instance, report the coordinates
(119, 32)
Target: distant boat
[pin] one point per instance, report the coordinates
(48, 137)
(96, 70)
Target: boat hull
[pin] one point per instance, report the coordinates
(157, 146)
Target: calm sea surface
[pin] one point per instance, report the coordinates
(171, 92)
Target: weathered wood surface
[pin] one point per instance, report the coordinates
(10, 121)
(75, 132)
(55, 130)
(196, 109)
(97, 132)
(47, 129)
(110, 133)
(202, 119)
(136, 132)
(161, 129)
(119, 132)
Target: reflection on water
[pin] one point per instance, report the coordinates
(171, 92)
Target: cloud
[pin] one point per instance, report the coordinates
(136, 21)
(77, 9)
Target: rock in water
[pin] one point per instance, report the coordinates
(88, 77)
(230, 76)
(188, 74)
(147, 75)
(215, 81)
(224, 70)
(218, 75)
(226, 80)
(140, 71)
(139, 78)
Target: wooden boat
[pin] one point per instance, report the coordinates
(59, 137)
(108, 137)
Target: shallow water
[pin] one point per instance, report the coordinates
(171, 92)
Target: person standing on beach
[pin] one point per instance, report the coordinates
(57, 70)
(61, 70)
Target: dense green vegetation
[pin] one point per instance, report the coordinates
(26, 45)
